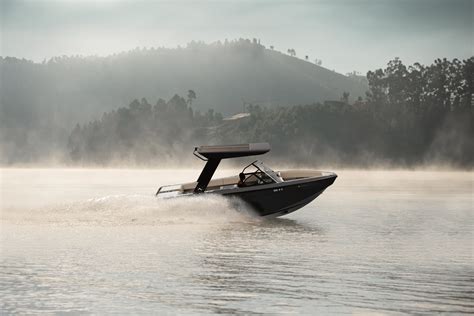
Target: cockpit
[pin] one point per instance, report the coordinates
(257, 173)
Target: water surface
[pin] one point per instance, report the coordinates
(97, 241)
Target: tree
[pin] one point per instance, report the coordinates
(191, 97)
(354, 73)
(345, 97)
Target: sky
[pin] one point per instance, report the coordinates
(346, 35)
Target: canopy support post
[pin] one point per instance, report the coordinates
(206, 175)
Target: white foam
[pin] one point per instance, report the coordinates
(118, 210)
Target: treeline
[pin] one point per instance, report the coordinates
(40, 103)
(410, 116)
(142, 133)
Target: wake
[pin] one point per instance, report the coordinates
(116, 210)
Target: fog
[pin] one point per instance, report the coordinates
(326, 83)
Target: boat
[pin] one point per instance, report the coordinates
(269, 193)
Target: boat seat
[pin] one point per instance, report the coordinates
(213, 183)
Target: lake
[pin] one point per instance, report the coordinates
(98, 241)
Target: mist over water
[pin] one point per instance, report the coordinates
(98, 241)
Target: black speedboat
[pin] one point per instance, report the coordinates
(269, 193)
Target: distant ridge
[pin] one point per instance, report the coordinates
(222, 74)
(40, 103)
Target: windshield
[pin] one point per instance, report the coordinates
(258, 173)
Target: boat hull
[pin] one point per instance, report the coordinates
(282, 198)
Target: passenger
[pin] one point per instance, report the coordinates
(241, 182)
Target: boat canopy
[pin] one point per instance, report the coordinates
(214, 154)
(231, 151)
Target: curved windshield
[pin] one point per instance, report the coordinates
(258, 173)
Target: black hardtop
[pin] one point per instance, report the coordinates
(232, 151)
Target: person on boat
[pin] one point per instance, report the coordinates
(241, 180)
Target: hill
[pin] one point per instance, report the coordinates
(411, 116)
(41, 102)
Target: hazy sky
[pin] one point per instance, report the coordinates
(346, 35)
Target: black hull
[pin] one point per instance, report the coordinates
(283, 198)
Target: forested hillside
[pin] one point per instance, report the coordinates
(41, 102)
(410, 116)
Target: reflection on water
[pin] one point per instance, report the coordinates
(400, 242)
